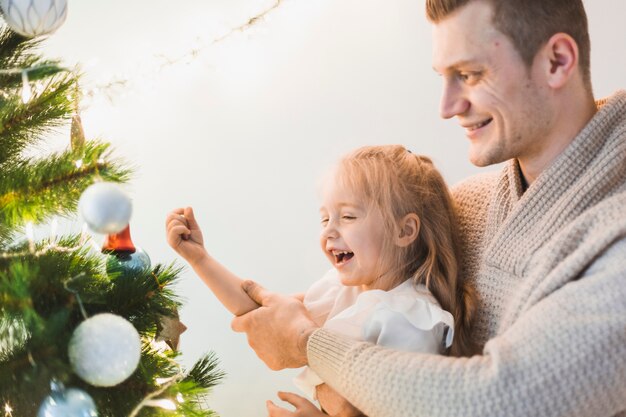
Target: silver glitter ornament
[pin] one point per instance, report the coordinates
(33, 18)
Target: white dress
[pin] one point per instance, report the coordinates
(404, 318)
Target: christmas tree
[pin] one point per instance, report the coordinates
(81, 331)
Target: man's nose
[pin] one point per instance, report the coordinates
(453, 101)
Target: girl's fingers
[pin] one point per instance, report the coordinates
(303, 406)
(191, 218)
(293, 399)
(173, 219)
(176, 213)
(276, 411)
(180, 230)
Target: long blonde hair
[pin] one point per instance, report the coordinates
(398, 182)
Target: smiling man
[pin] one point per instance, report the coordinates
(544, 240)
(510, 106)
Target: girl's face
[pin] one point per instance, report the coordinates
(352, 235)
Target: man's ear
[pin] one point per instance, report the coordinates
(409, 228)
(559, 59)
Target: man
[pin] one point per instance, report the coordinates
(544, 240)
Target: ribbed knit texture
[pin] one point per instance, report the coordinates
(549, 265)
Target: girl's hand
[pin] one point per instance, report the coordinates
(334, 404)
(184, 235)
(304, 407)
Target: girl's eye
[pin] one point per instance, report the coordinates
(346, 217)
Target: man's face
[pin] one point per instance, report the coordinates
(487, 86)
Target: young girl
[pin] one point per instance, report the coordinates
(388, 229)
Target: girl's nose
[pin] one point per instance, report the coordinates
(330, 231)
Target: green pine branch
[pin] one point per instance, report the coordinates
(17, 54)
(205, 372)
(197, 384)
(188, 390)
(148, 297)
(23, 125)
(36, 190)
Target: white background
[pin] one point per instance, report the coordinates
(243, 130)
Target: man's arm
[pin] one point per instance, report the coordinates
(565, 356)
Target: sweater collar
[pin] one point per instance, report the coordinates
(592, 167)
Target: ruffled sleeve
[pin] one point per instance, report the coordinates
(405, 318)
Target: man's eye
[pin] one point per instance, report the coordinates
(324, 221)
(469, 77)
(346, 217)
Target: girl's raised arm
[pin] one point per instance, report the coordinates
(185, 237)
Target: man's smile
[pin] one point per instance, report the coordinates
(474, 128)
(470, 127)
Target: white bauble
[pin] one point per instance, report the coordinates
(105, 207)
(32, 18)
(104, 350)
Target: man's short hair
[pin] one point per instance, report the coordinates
(530, 24)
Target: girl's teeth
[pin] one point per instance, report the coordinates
(342, 256)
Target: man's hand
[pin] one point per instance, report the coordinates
(279, 330)
(304, 407)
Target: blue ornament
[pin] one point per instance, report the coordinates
(128, 265)
(71, 402)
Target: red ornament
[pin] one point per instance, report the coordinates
(119, 243)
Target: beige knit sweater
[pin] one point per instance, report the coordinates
(549, 265)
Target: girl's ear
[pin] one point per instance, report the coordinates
(409, 228)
